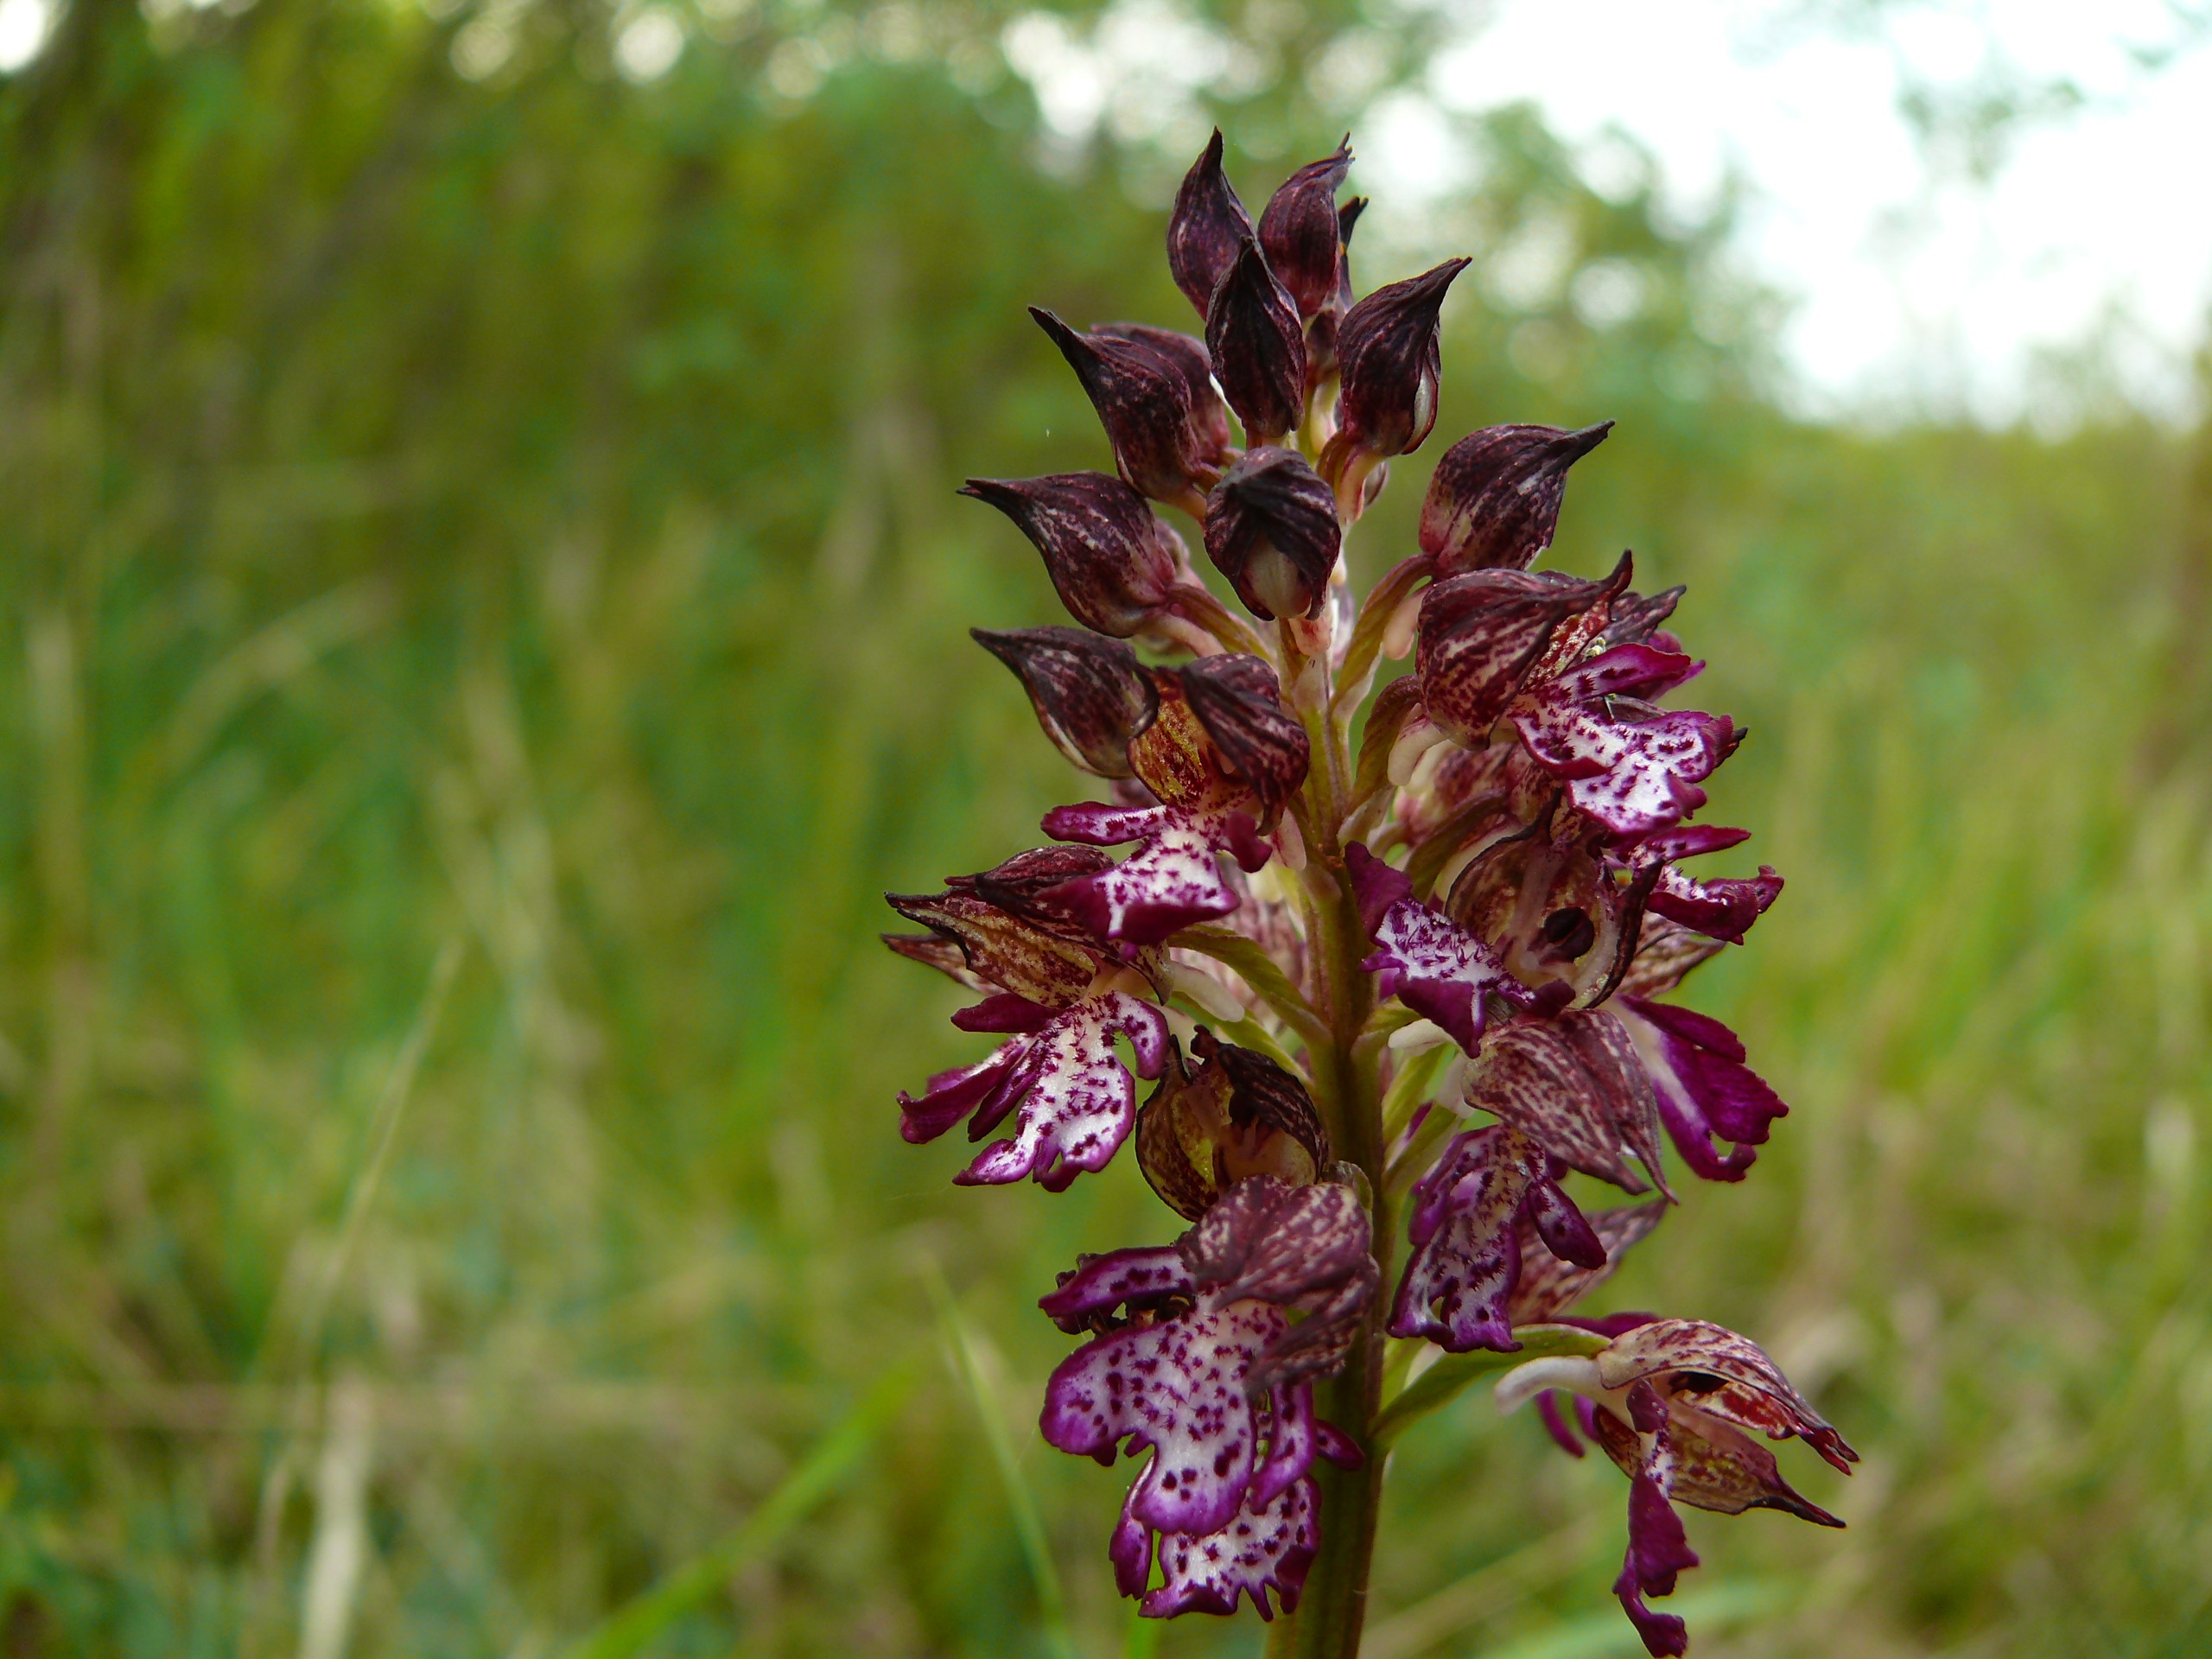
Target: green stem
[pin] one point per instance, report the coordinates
(1333, 1609)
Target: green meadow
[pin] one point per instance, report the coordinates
(482, 622)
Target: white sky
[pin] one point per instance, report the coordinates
(1912, 291)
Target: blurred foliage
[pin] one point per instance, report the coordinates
(480, 612)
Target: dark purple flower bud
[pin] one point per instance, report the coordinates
(1302, 234)
(1272, 529)
(1110, 558)
(1186, 354)
(1164, 437)
(1207, 227)
(1238, 703)
(1493, 502)
(1483, 633)
(1258, 347)
(1321, 331)
(1091, 696)
(1235, 1112)
(1389, 357)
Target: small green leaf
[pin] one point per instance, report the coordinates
(1259, 970)
(1442, 1382)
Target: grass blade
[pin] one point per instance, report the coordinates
(631, 1628)
(1028, 1525)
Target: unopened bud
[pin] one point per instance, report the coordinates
(1391, 361)
(1167, 444)
(1207, 227)
(1110, 558)
(1271, 527)
(1258, 347)
(1302, 235)
(1494, 500)
(1091, 696)
(1239, 703)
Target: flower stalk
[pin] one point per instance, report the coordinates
(1396, 991)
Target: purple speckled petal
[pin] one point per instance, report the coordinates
(1133, 1278)
(1632, 776)
(1290, 1445)
(1440, 971)
(1075, 1100)
(1261, 1548)
(1720, 910)
(1703, 1087)
(1575, 1084)
(1636, 671)
(1459, 1283)
(1176, 1388)
(1306, 1248)
(1724, 1376)
(1172, 879)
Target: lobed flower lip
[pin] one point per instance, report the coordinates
(1211, 1376)
(1424, 958)
(1494, 500)
(1090, 694)
(1171, 881)
(1073, 1101)
(1271, 527)
(1457, 1289)
(1111, 559)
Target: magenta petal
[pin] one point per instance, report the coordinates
(1719, 910)
(1459, 1282)
(1176, 1388)
(1130, 1551)
(1632, 776)
(1171, 881)
(1374, 886)
(1290, 1445)
(1074, 1100)
(1260, 1549)
(1439, 970)
(1556, 1426)
(1625, 672)
(1004, 1012)
(953, 1095)
(1567, 1234)
(1133, 1278)
(1704, 1088)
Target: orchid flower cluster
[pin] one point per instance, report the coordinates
(1394, 987)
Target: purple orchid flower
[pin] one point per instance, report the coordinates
(1494, 859)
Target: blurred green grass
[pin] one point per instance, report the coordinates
(510, 524)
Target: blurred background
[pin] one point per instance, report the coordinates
(482, 610)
